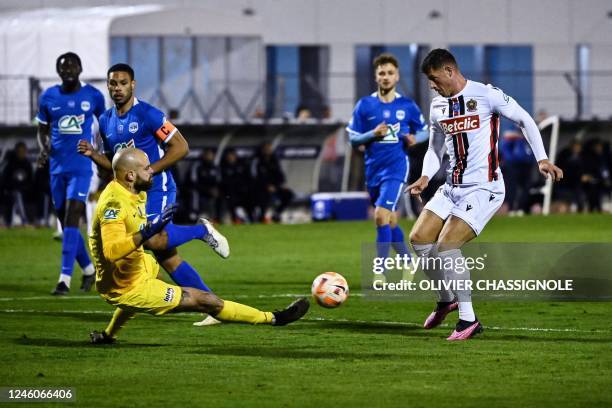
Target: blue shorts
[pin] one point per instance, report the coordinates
(69, 186)
(157, 201)
(386, 194)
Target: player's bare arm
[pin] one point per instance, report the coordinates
(177, 148)
(42, 136)
(87, 149)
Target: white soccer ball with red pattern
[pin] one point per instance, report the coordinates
(330, 289)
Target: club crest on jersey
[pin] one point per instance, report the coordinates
(386, 114)
(85, 105)
(71, 124)
(400, 114)
(133, 127)
(460, 124)
(471, 105)
(120, 146)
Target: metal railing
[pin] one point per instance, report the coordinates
(246, 101)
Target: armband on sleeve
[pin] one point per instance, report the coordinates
(166, 131)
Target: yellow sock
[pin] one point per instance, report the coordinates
(120, 318)
(237, 312)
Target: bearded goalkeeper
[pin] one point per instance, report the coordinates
(126, 276)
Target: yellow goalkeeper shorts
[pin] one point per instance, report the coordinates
(152, 295)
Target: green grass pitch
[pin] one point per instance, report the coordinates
(365, 353)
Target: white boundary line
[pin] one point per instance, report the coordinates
(412, 324)
(81, 297)
(322, 319)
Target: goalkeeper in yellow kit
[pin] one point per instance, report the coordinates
(126, 276)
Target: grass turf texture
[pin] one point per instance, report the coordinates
(364, 353)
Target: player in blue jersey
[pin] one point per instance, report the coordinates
(134, 123)
(386, 122)
(65, 116)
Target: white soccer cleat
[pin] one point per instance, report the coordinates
(215, 240)
(208, 321)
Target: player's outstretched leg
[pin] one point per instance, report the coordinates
(109, 335)
(181, 272)
(194, 300)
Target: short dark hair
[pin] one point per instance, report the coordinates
(383, 59)
(67, 55)
(436, 59)
(121, 67)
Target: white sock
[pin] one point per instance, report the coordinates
(466, 312)
(451, 257)
(436, 275)
(89, 270)
(65, 278)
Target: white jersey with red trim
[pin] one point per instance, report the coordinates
(467, 124)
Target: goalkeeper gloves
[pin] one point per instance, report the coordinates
(153, 227)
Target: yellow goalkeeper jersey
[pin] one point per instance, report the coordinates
(120, 265)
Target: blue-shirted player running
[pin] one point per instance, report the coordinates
(134, 123)
(385, 123)
(65, 116)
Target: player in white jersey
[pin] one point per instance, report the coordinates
(464, 121)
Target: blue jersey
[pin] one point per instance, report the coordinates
(386, 159)
(70, 118)
(144, 127)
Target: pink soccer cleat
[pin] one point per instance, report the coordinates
(465, 330)
(437, 316)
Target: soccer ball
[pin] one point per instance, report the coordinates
(330, 289)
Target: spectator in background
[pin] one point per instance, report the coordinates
(269, 182)
(17, 177)
(235, 182)
(203, 182)
(569, 195)
(517, 167)
(303, 113)
(596, 177)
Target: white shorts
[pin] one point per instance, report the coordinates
(474, 204)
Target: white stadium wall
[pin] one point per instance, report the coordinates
(553, 27)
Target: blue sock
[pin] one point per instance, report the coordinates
(397, 237)
(383, 240)
(82, 256)
(179, 234)
(70, 244)
(188, 277)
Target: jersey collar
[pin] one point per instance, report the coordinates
(375, 95)
(125, 114)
